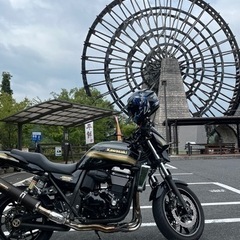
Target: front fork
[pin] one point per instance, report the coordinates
(168, 179)
(171, 184)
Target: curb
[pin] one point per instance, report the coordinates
(205, 157)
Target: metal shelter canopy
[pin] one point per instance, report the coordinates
(202, 121)
(57, 113)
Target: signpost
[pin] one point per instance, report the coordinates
(58, 151)
(36, 136)
(89, 135)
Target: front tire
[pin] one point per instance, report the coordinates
(171, 218)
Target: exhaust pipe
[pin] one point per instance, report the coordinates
(22, 197)
(119, 227)
(18, 195)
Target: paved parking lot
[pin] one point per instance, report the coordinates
(215, 182)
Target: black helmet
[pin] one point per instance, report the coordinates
(142, 104)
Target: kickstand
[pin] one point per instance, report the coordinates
(98, 235)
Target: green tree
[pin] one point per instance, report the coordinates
(126, 125)
(79, 95)
(102, 127)
(8, 106)
(6, 86)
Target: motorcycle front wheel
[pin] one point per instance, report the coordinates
(173, 221)
(13, 216)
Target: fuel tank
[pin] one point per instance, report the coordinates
(107, 154)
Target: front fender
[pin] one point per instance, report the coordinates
(157, 191)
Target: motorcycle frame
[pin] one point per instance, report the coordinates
(74, 196)
(96, 225)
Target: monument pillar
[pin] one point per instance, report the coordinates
(171, 94)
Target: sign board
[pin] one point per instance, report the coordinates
(89, 135)
(58, 151)
(36, 136)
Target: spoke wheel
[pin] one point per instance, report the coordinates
(171, 218)
(12, 216)
(129, 39)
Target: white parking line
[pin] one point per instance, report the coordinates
(225, 220)
(181, 174)
(220, 204)
(170, 166)
(205, 204)
(208, 221)
(235, 190)
(175, 174)
(228, 187)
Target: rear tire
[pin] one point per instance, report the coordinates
(172, 221)
(11, 215)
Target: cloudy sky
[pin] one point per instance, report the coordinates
(41, 41)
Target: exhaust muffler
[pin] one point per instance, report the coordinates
(22, 197)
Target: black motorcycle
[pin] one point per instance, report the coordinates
(99, 191)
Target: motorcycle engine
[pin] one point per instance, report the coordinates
(106, 193)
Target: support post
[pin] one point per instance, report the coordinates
(19, 142)
(172, 96)
(164, 83)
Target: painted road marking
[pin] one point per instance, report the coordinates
(220, 204)
(181, 174)
(217, 190)
(170, 166)
(235, 190)
(175, 174)
(204, 204)
(209, 221)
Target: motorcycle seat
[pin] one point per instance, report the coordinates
(44, 163)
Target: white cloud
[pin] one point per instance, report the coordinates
(41, 46)
(41, 41)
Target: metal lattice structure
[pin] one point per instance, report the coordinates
(126, 43)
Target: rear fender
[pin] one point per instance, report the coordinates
(10, 160)
(157, 191)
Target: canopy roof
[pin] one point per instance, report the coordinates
(59, 113)
(203, 120)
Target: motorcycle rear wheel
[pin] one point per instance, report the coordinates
(172, 220)
(11, 215)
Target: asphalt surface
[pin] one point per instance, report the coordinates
(214, 181)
